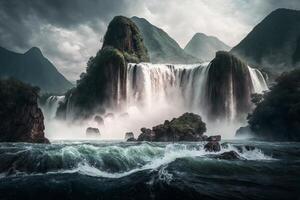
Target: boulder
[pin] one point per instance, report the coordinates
(187, 127)
(21, 120)
(212, 146)
(92, 132)
(230, 155)
(132, 139)
(99, 120)
(129, 135)
(214, 138)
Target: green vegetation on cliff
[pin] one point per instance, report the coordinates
(104, 84)
(277, 115)
(228, 86)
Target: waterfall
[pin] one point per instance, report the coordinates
(51, 105)
(185, 86)
(258, 81)
(150, 84)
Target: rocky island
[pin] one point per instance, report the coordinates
(21, 120)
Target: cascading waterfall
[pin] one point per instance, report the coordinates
(52, 104)
(182, 85)
(150, 84)
(258, 81)
(156, 92)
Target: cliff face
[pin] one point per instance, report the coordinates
(229, 87)
(103, 84)
(21, 120)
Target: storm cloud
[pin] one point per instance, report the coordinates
(68, 32)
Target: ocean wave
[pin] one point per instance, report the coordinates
(109, 161)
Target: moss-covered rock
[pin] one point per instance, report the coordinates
(187, 127)
(21, 120)
(229, 87)
(125, 36)
(104, 83)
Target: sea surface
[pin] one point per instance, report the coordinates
(141, 170)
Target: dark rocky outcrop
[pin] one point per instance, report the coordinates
(214, 138)
(212, 146)
(161, 47)
(277, 116)
(187, 127)
(99, 86)
(92, 132)
(226, 71)
(129, 137)
(21, 120)
(230, 155)
(205, 47)
(32, 68)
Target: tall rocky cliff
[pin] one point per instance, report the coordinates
(229, 87)
(103, 84)
(21, 120)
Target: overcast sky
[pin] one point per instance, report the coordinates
(69, 31)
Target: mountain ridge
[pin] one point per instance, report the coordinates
(34, 68)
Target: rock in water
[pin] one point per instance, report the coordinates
(129, 136)
(92, 132)
(187, 127)
(21, 120)
(212, 146)
(214, 138)
(230, 155)
(99, 120)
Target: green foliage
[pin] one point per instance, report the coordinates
(278, 115)
(187, 122)
(125, 36)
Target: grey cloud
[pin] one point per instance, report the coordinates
(69, 31)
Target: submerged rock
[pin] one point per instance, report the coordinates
(230, 155)
(21, 120)
(212, 146)
(187, 127)
(92, 132)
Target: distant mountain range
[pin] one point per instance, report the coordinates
(205, 47)
(161, 47)
(33, 68)
(274, 43)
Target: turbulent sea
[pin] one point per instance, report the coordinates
(121, 170)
